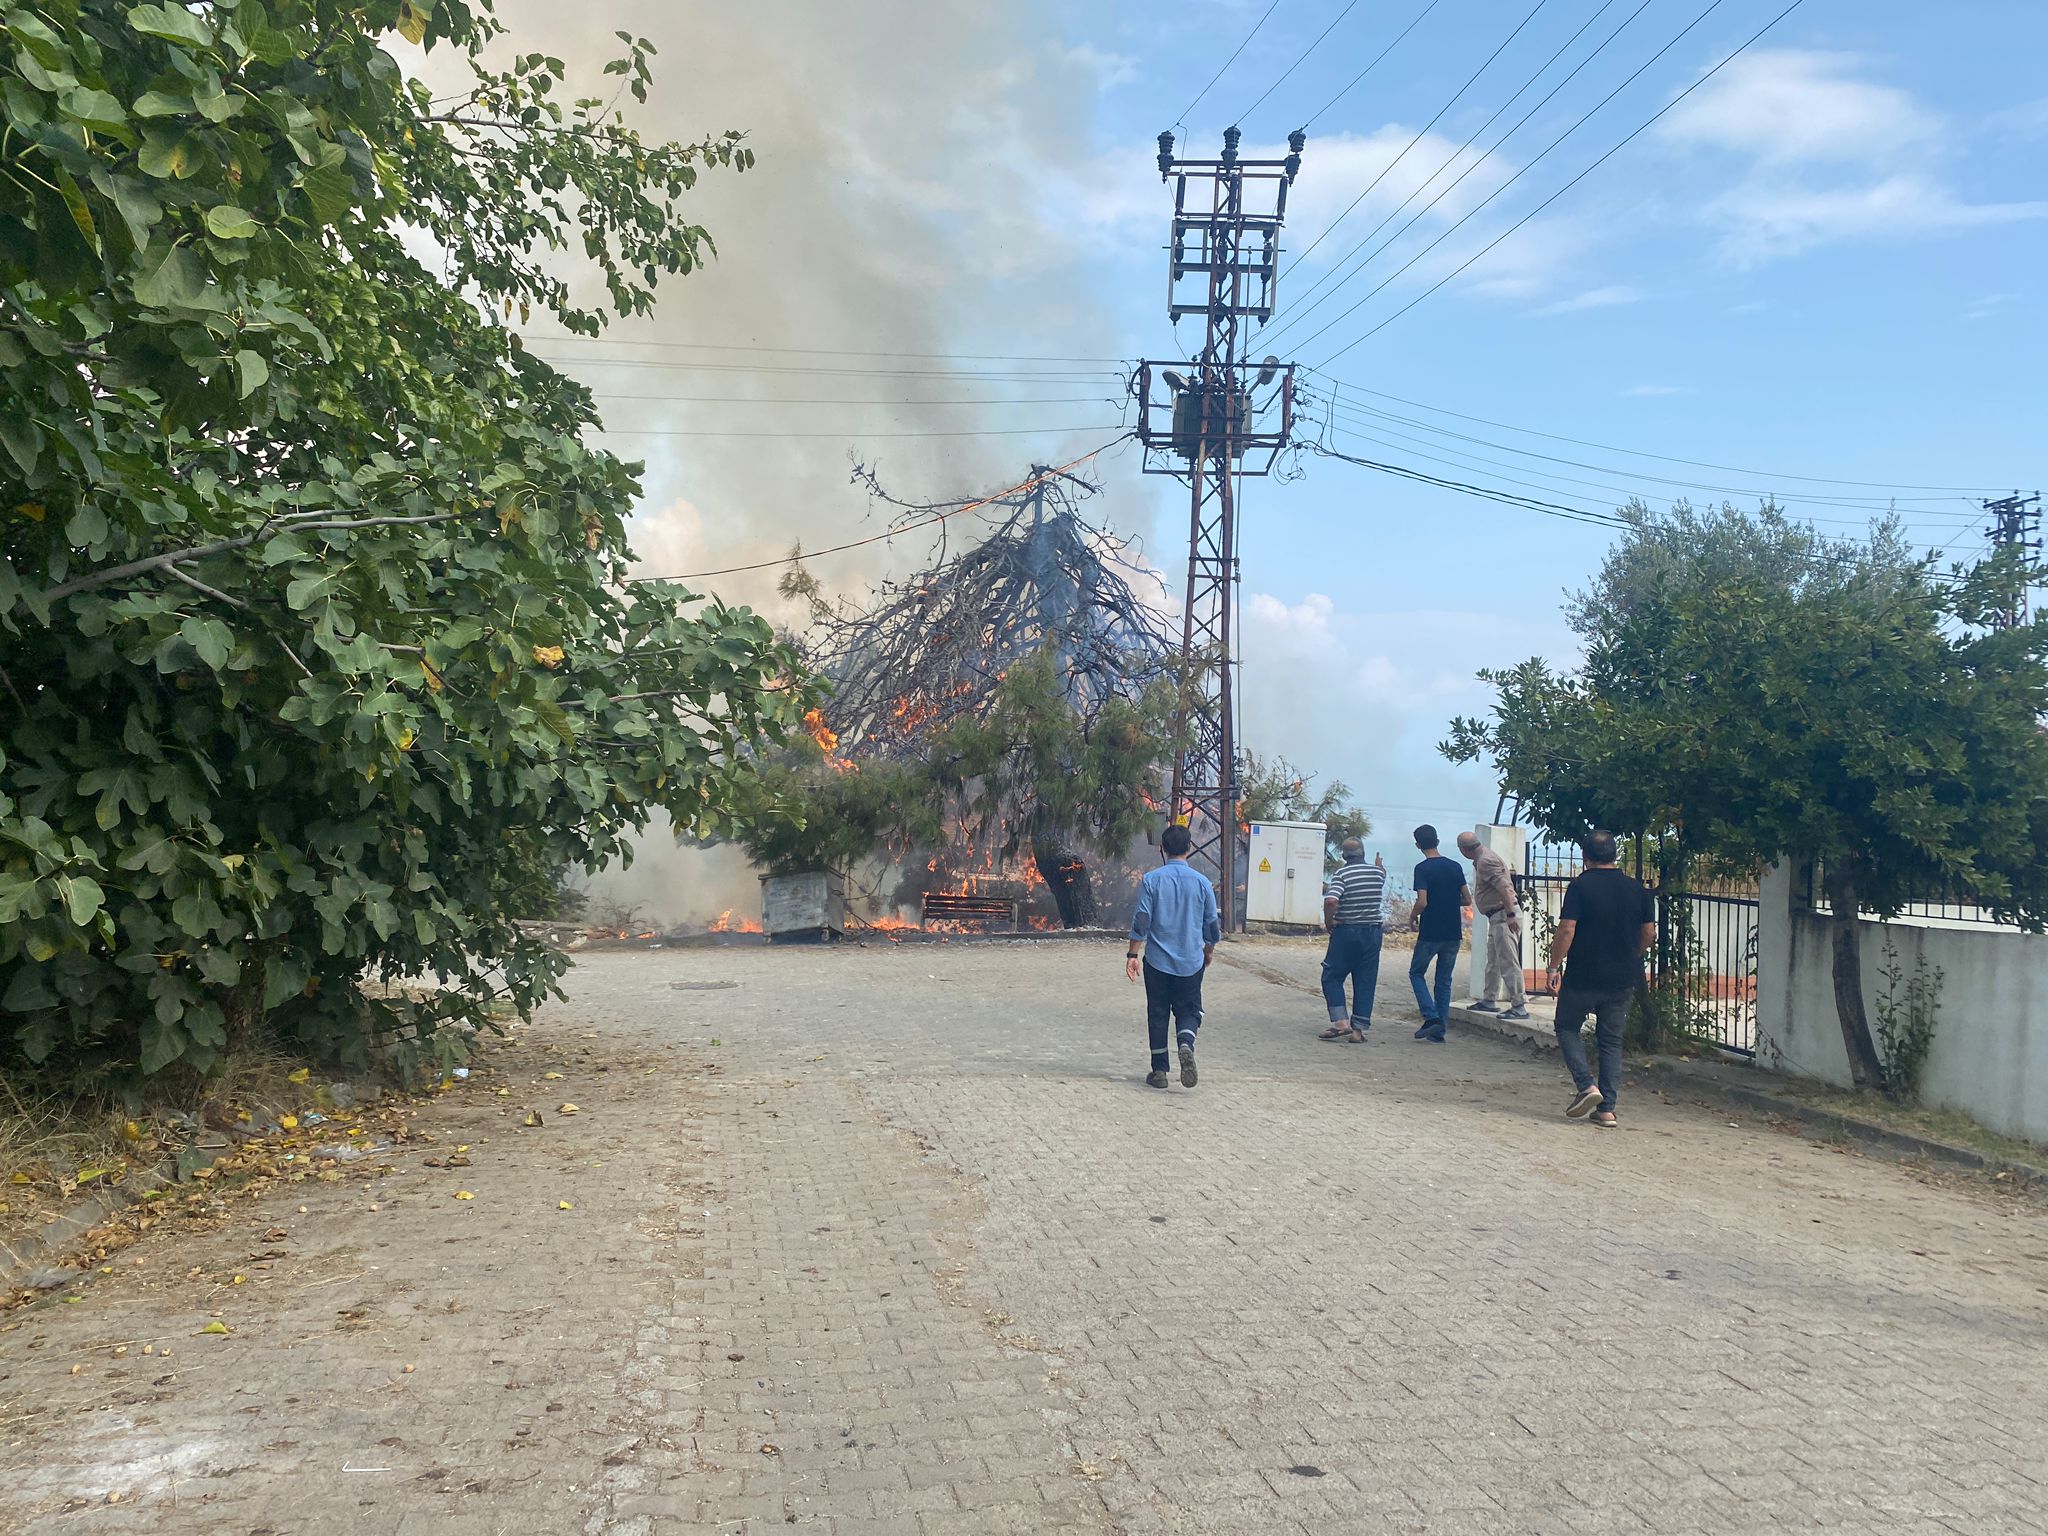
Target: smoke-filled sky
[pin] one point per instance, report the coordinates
(1820, 262)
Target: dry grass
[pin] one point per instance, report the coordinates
(55, 1148)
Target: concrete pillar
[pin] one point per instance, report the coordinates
(1512, 844)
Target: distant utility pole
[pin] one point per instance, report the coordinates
(1212, 420)
(2016, 524)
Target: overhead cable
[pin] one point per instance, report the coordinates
(1300, 311)
(1309, 121)
(1419, 133)
(790, 559)
(1640, 129)
(1181, 120)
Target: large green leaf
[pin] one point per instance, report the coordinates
(173, 23)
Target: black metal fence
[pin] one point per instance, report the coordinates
(1703, 965)
(1936, 906)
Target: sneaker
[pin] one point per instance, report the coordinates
(1157, 1080)
(1606, 1120)
(1517, 1014)
(1484, 1008)
(1435, 1036)
(1583, 1103)
(1428, 1026)
(1187, 1063)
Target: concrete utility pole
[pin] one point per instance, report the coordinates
(2016, 523)
(1210, 421)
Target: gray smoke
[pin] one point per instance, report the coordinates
(907, 154)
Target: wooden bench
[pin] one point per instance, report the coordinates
(963, 907)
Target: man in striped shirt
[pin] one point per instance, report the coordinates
(1355, 912)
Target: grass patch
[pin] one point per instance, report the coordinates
(1947, 1125)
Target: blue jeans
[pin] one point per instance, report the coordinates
(1354, 952)
(1610, 1013)
(1445, 953)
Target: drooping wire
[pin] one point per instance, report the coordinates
(1581, 442)
(875, 538)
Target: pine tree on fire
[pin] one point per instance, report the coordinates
(1024, 677)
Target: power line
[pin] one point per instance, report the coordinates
(1824, 499)
(1295, 316)
(603, 394)
(951, 512)
(1847, 559)
(1581, 442)
(1310, 121)
(1549, 484)
(1560, 192)
(1311, 48)
(718, 346)
(1181, 120)
(982, 376)
(1092, 426)
(1424, 129)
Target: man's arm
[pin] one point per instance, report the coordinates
(1645, 938)
(1141, 924)
(1212, 925)
(1560, 946)
(1329, 911)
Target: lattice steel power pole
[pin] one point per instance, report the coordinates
(2016, 523)
(1211, 421)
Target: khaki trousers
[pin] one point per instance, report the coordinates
(1504, 962)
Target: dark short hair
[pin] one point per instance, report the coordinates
(1425, 836)
(1600, 848)
(1176, 840)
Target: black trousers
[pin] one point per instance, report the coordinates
(1178, 998)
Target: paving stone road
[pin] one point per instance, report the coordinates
(895, 1240)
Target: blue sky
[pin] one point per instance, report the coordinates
(1824, 262)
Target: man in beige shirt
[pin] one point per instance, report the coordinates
(1493, 897)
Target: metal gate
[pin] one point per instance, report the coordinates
(1704, 962)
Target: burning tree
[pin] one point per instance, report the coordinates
(1023, 682)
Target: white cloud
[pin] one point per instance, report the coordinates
(2028, 120)
(1651, 391)
(1109, 69)
(1990, 305)
(1830, 156)
(1792, 105)
(1592, 298)
(1347, 693)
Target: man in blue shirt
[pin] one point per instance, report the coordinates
(1440, 899)
(1173, 933)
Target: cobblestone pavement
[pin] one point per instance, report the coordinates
(895, 1240)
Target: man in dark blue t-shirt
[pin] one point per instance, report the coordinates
(1440, 900)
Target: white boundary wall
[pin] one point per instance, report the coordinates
(1989, 1058)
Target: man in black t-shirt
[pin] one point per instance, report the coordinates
(1603, 933)
(1440, 902)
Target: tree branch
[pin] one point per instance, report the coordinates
(297, 521)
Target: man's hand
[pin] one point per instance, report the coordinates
(1131, 967)
(1514, 921)
(1208, 953)
(1378, 862)
(1553, 978)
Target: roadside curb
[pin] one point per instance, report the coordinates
(1704, 1085)
(36, 1249)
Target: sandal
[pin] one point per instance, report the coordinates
(1335, 1032)
(1354, 1037)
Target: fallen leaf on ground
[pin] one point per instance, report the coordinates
(216, 1326)
(463, 1194)
(565, 1206)
(565, 1109)
(552, 1077)
(533, 1118)
(300, 1076)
